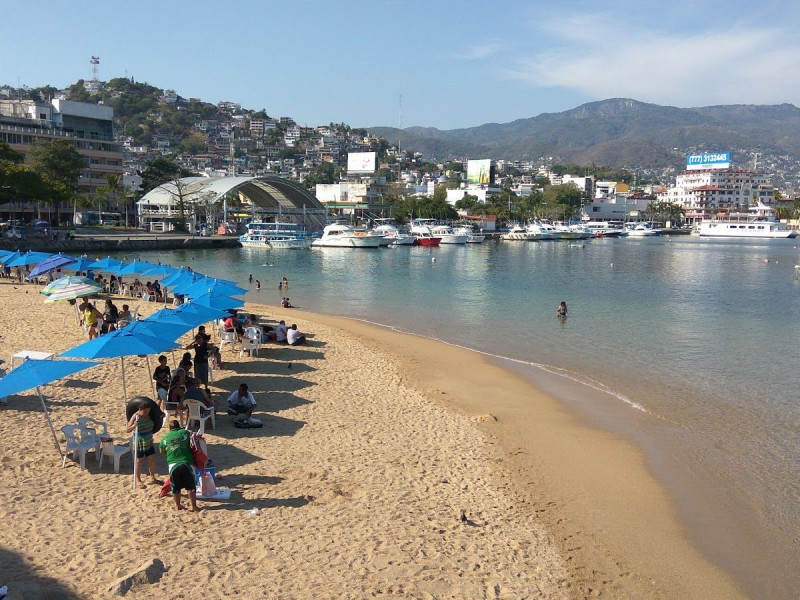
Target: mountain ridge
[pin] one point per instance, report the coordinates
(618, 131)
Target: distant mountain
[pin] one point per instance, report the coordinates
(616, 132)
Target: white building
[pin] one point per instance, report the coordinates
(703, 193)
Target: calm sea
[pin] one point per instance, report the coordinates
(687, 346)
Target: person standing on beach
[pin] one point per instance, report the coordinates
(180, 462)
(201, 351)
(89, 317)
(143, 424)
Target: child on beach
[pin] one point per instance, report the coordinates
(143, 424)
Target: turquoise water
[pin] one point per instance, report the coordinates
(688, 346)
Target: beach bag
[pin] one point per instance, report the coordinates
(198, 446)
(165, 489)
(207, 486)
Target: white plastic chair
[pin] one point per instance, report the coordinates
(195, 414)
(175, 408)
(249, 345)
(76, 445)
(92, 429)
(115, 451)
(227, 337)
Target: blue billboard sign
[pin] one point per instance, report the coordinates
(708, 160)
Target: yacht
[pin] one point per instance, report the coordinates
(641, 230)
(339, 235)
(518, 233)
(392, 236)
(275, 235)
(422, 234)
(605, 229)
(469, 231)
(448, 236)
(758, 222)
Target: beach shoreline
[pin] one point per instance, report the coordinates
(373, 443)
(610, 518)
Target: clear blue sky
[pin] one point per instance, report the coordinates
(456, 64)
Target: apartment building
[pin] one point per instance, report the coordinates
(704, 193)
(89, 127)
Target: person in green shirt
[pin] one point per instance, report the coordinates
(180, 462)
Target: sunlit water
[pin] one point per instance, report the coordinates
(695, 342)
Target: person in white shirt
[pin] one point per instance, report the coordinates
(241, 402)
(280, 332)
(294, 337)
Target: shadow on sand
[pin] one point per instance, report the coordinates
(24, 582)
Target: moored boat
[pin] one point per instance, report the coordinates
(339, 235)
(758, 222)
(469, 231)
(448, 236)
(424, 237)
(275, 236)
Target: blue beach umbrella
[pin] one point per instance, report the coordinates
(127, 341)
(161, 271)
(179, 275)
(9, 257)
(107, 265)
(4, 253)
(137, 267)
(80, 264)
(214, 286)
(219, 301)
(187, 280)
(54, 262)
(36, 373)
(29, 258)
(199, 314)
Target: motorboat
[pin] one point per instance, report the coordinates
(605, 229)
(758, 222)
(339, 235)
(642, 230)
(469, 231)
(392, 236)
(518, 233)
(275, 236)
(545, 231)
(423, 235)
(448, 236)
(567, 231)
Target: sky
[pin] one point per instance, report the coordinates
(434, 63)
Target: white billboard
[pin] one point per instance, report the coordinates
(361, 162)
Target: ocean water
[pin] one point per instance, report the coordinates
(687, 346)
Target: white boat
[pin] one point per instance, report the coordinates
(469, 231)
(641, 230)
(606, 229)
(547, 231)
(392, 236)
(339, 235)
(448, 236)
(275, 236)
(518, 233)
(568, 231)
(759, 222)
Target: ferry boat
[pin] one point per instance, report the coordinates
(339, 235)
(759, 222)
(275, 236)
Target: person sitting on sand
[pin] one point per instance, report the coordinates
(280, 333)
(561, 311)
(180, 461)
(143, 424)
(294, 337)
(286, 304)
(241, 402)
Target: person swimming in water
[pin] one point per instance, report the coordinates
(561, 311)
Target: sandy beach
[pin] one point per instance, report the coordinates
(373, 444)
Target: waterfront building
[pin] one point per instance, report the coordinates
(706, 192)
(89, 127)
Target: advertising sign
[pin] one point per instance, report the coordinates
(479, 172)
(708, 160)
(361, 162)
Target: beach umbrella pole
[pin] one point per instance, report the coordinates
(124, 389)
(135, 453)
(50, 423)
(152, 381)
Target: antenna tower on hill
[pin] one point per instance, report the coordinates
(95, 62)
